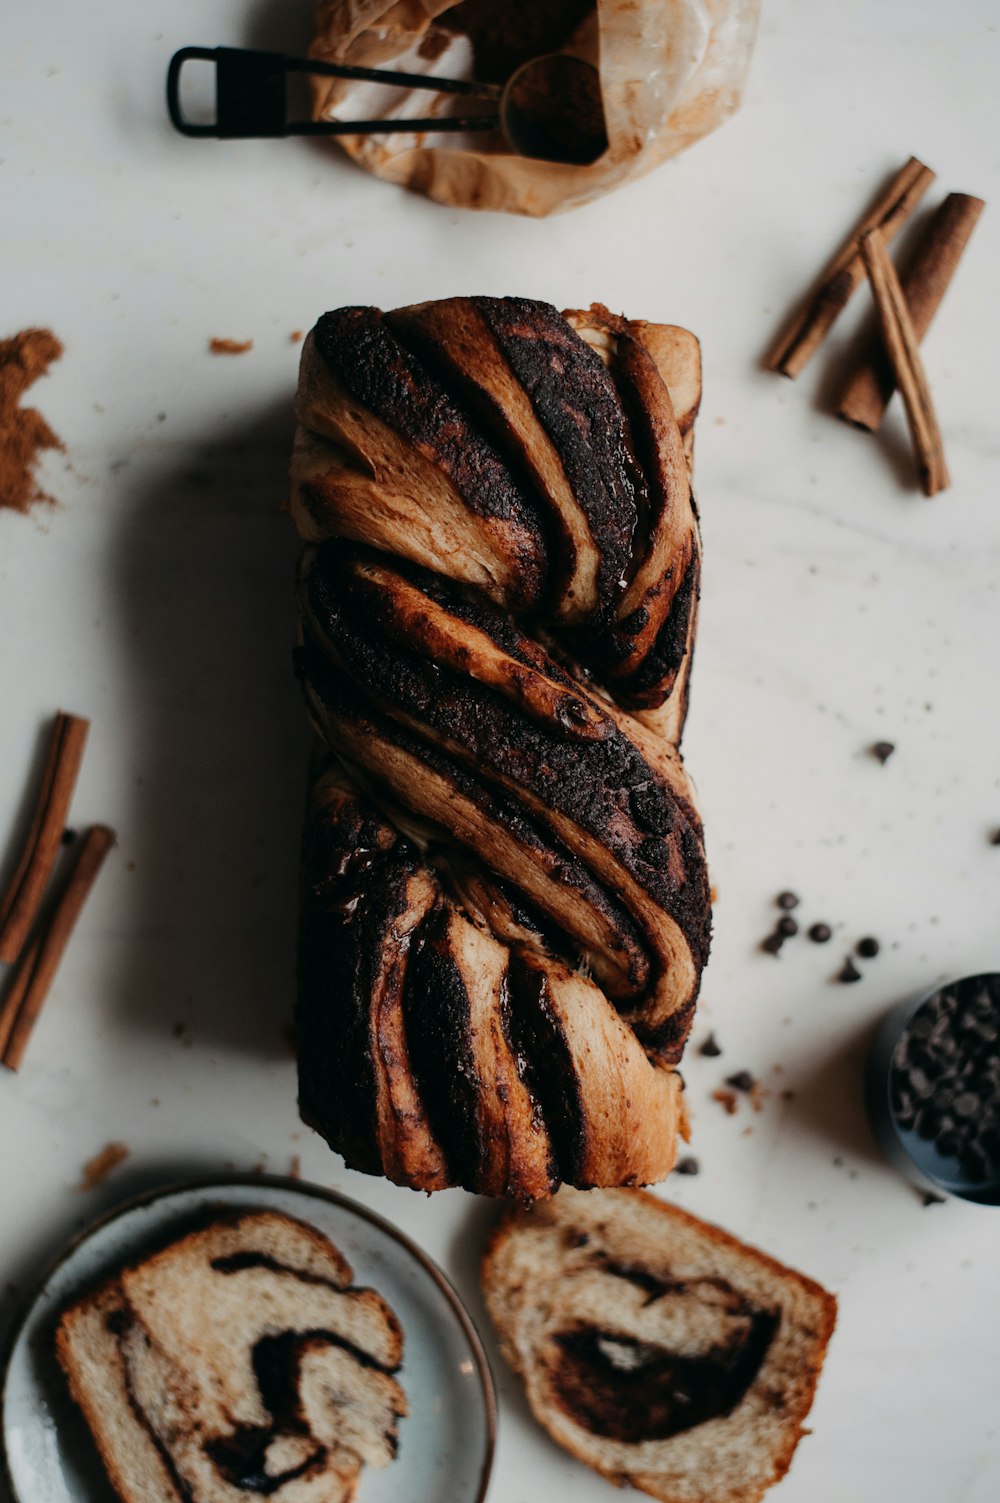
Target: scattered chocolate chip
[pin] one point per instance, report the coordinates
(773, 943)
(68, 836)
(882, 750)
(995, 837)
(710, 1047)
(848, 971)
(930, 1199)
(687, 1165)
(741, 1081)
(787, 926)
(868, 947)
(820, 933)
(787, 900)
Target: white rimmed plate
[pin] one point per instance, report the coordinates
(445, 1443)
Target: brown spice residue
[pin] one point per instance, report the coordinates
(296, 336)
(96, 1170)
(726, 1099)
(758, 1095)
(230, 346)
(24, 433)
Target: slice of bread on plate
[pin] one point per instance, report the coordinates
(656, 1348)
(238, 1360)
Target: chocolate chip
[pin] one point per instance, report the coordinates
(868, 947)
(787, 926)
(687, 1165)
(945, 1077)
(920, 1084)
(902, 1100)
(930, 1199)
(741, 1081)
(68, 836)
(773, 943)
(848, 971)
(882, 750)
(820, 933)
(995, 837)
(710, 1047)
(787, 900)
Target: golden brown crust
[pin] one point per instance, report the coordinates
(509, 581)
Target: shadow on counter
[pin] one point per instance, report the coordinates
(202, 566)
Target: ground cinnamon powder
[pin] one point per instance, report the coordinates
(24, 433)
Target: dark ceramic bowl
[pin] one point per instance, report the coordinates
(915, 1156)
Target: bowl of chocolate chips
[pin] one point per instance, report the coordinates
(933, 1088)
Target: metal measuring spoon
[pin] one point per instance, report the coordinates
(550, 108)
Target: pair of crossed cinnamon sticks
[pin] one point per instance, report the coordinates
(34, 933)
(904, 309)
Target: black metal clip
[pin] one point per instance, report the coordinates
(250, 96)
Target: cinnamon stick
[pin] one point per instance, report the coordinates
(22, 898)
(867, 393)
(904, 356)
(40, 957)
(843, 273)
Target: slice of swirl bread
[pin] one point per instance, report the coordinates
(238, 1361)
(656, 1348)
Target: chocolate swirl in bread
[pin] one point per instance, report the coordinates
(655, 1347)
(505, 903)
(237, 1362)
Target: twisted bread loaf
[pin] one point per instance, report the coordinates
(505, 904)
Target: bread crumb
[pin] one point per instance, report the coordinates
(758, 1096)
(96, 1170)
(230, 346)
(296, 336)
(726, 1099)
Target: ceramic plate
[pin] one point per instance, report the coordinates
(446, 1441)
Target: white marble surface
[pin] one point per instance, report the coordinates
(840, 607)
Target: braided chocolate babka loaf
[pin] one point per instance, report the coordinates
(505, 905)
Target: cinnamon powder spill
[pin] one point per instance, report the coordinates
(96, 1170)
(230, 346)
(24, 433)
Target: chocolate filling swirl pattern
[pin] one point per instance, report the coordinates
(505, 905)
